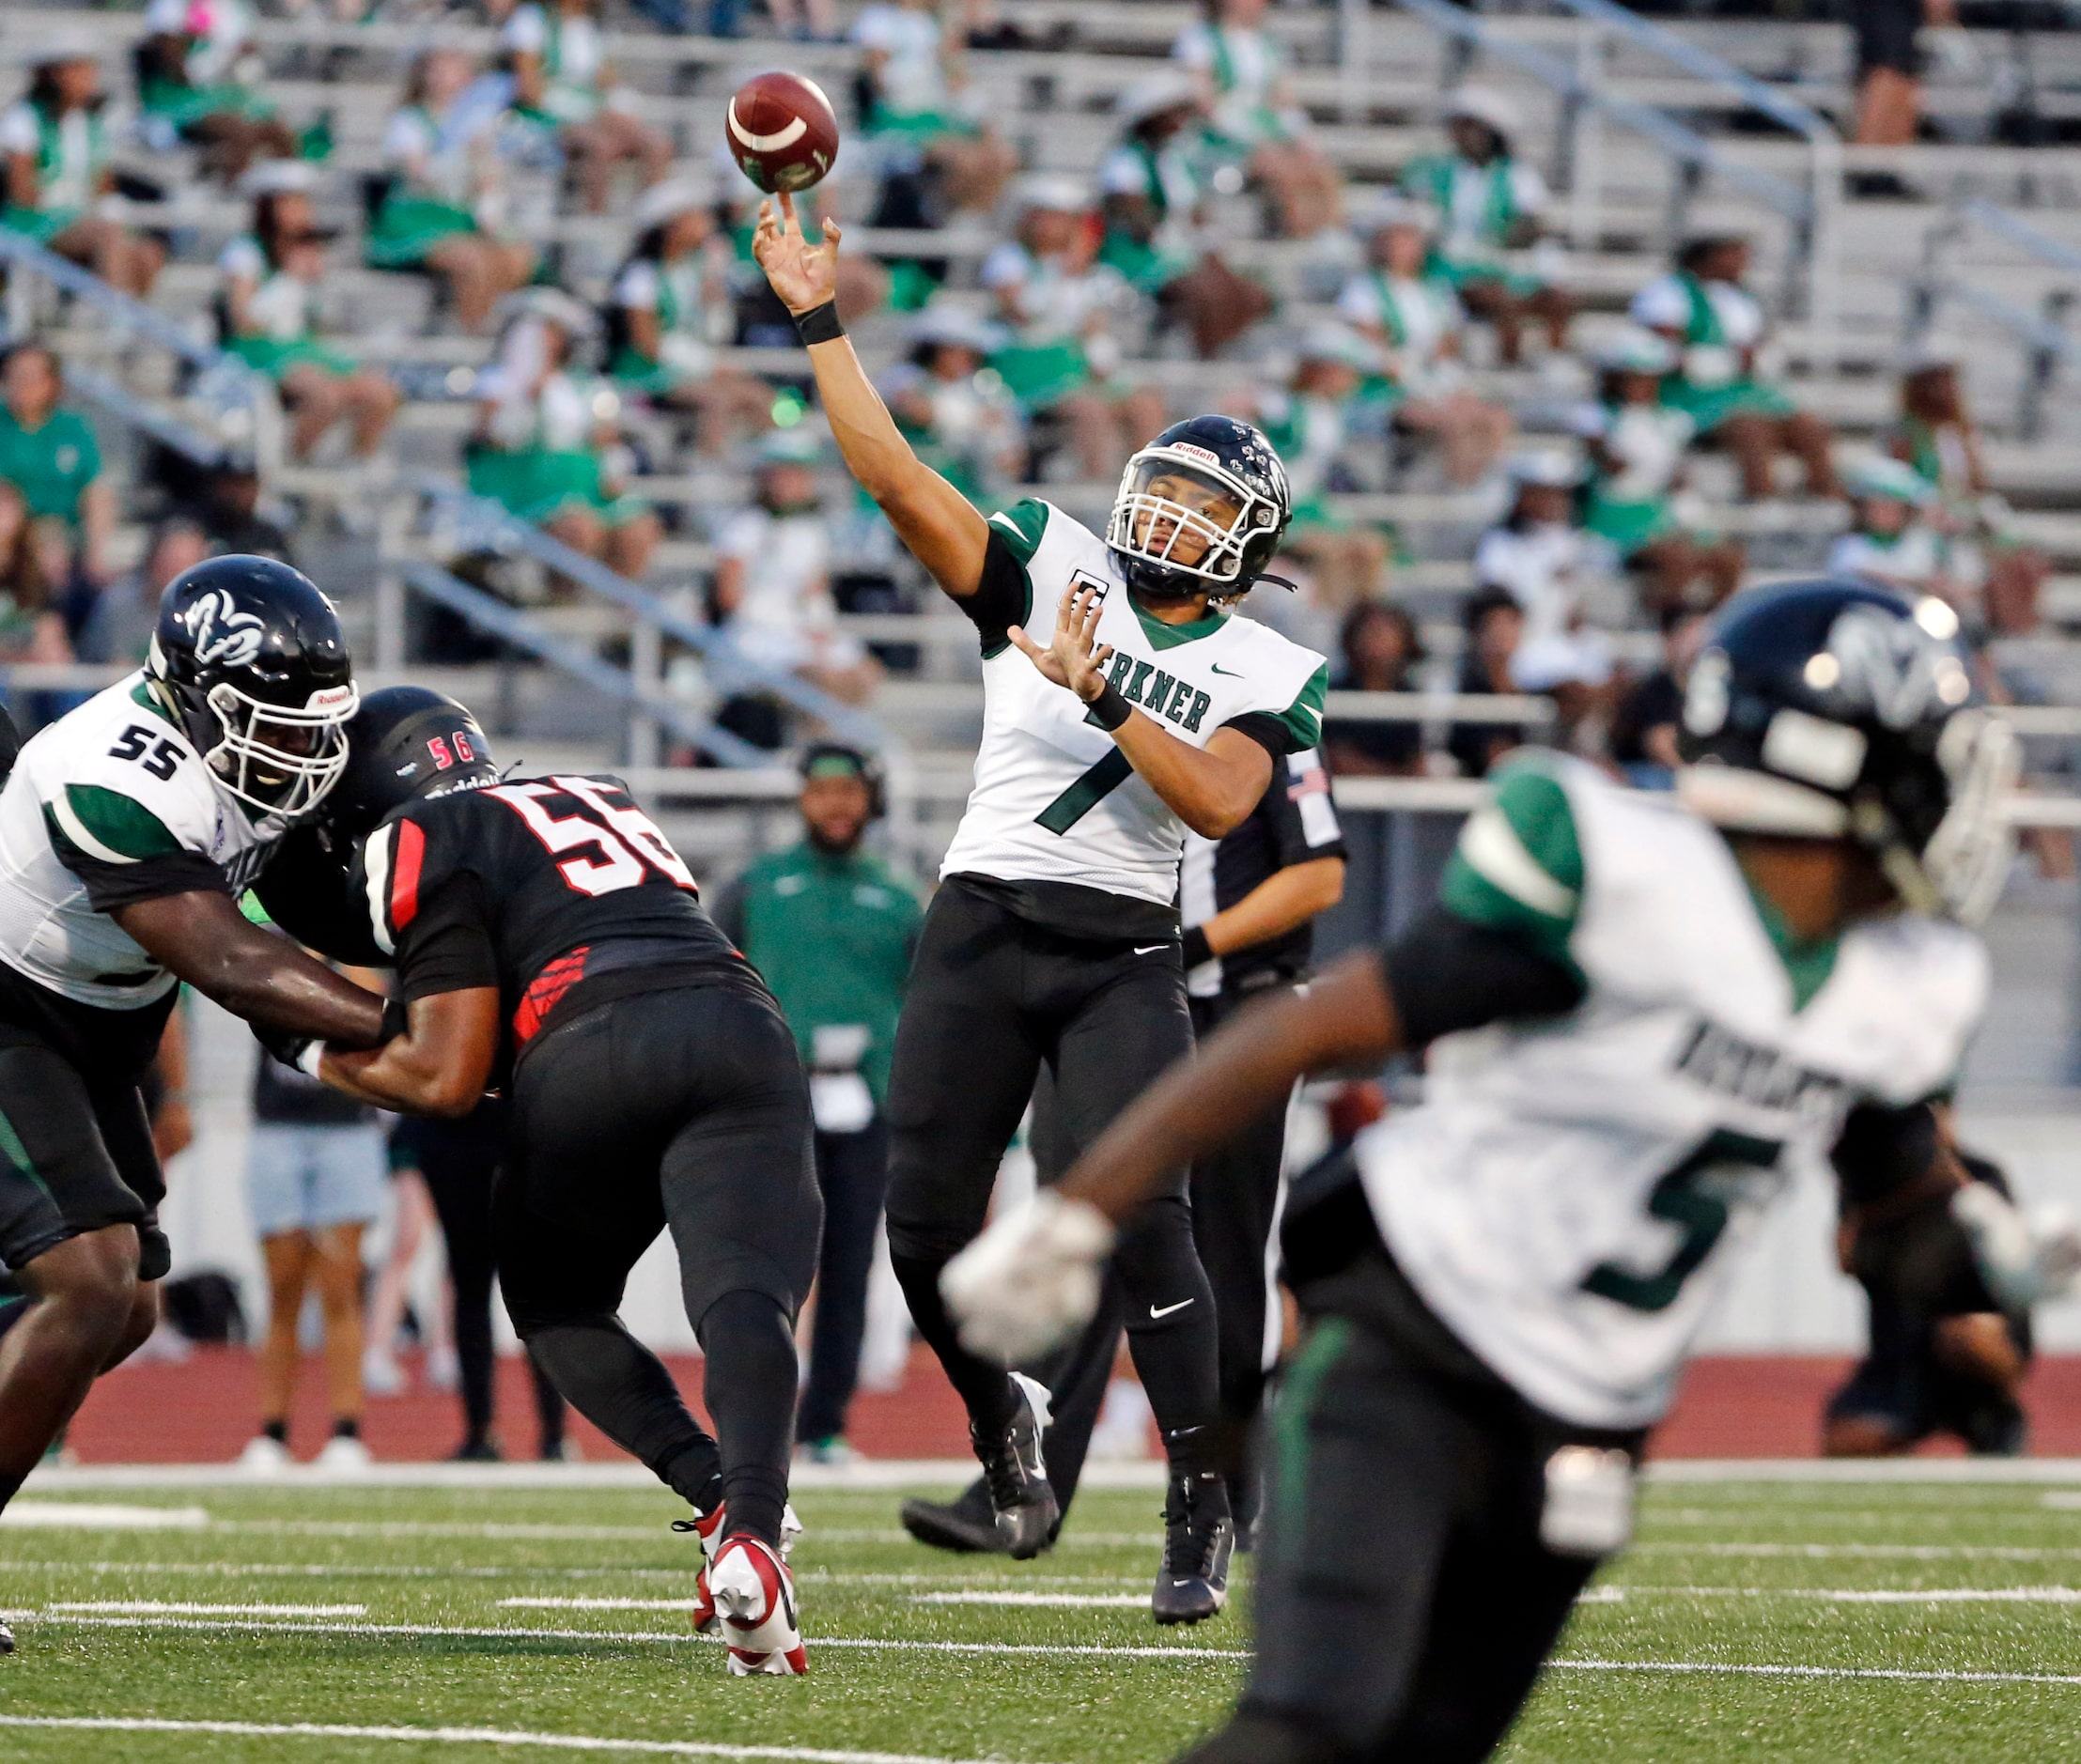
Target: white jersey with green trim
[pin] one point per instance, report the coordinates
(1055, 800)
(1570, 1196)
(115, 783)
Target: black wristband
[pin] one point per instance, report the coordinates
(1197, 949)
(819, 324)
(1110, 708)
(393, 1018)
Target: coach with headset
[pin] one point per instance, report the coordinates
(831, 928)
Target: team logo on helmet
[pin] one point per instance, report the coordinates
(1901, 669)
(222, 634)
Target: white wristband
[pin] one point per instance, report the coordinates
(306, 1062)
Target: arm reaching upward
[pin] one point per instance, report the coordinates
(932, 518)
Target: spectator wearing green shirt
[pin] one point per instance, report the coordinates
(831, 928)
(50, 455)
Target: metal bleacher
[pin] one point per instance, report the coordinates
(1643, 127)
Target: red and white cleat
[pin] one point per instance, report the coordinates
(708, 1526)
(754, 1594)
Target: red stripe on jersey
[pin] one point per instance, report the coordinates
(404, 874)
(546, 990)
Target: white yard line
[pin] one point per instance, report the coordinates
(1067, 1600)
(393, 1571)
(1897, 1675)
(102, 1516)
(1849, 1595)
(925, 1476)
(1939, 1470)
(595, 1605)
(159, 1607)
(1828, 1552)
(457, 1631)
(463, 1736)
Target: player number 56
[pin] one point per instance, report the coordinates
(622, 839)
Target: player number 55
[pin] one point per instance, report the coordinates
(159, 756)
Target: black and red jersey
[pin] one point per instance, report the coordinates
(559, 891)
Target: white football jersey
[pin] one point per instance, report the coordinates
(1570, 1195)
(1055, 800)
(117, 781)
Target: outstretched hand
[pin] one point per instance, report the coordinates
(804, 275)
(1076, 658)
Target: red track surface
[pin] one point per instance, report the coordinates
(204, 1410)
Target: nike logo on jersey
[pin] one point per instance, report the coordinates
(1150, 950)
(1159, 693)
(1154, 1312)
(1230, 671)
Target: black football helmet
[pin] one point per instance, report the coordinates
(1213, 478)
(250, 657)
(406, 742)
(1830, 708)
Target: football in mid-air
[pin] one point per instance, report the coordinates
(782, 132)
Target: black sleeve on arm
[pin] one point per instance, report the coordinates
(447, 946)
(1882, 1150)
(1001, 598)
(1446, 975)
(113, 886)
(1269, 732)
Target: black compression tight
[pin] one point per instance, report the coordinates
(623, 1390)
(752, 1376)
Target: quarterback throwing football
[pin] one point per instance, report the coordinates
(1143, 708)
(1644, 1016)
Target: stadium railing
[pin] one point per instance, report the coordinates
(245, 414)
(1692, 157)
(645, 705)
(2042, 335)
(1818, 244)
(472, 524)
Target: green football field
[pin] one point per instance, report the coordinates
(1753, 1619)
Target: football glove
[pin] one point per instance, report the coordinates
(2023, 1258)
(1031, 1281)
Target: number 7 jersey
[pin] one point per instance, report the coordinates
(1572, 1193)
(558, 891)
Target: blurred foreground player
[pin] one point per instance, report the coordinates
(1644, 1016)
(1147, 709)
(1957, 1372)
(547, 939)
(127, 827)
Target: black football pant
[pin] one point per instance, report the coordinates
(1235, 1196)
(1403, 1602)
(458, 1160)
(992, 999)
(852, 1172)
(683, 1110)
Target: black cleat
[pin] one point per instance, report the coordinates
(7, 1638)
(1027, 1512)
(968, 1527)
(1199, 1535)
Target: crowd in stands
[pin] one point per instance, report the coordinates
(1441, 347)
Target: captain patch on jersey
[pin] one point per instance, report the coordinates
(1055, 800)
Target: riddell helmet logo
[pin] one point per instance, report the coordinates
(222, 634)
(1191, 451)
